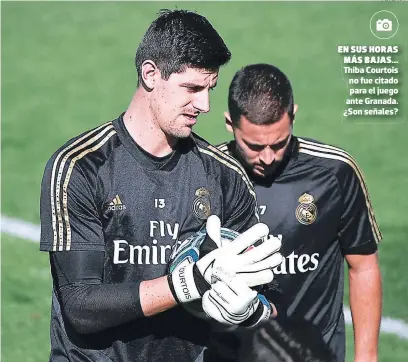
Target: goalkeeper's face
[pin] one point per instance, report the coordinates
(176, 102)
(261, 148)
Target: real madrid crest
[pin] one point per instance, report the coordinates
(201, 204)
(306, 211)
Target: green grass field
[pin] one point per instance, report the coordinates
(68, 66)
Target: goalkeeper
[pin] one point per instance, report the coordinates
(116, 198)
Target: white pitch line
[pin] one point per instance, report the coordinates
(21, 229)
(29, 231)
(388, 325)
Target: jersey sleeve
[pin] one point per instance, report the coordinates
(69, 215)
(359, 232)
(89, 304)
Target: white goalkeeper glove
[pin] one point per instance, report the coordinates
(190, 276)
(254, 266)
(231, 302)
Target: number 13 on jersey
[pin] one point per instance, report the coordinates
(159, 203)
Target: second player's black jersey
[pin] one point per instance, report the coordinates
(101, 192)
(319, 203)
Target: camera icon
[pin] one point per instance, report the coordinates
(384, 25)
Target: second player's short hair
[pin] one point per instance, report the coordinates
(180, 38)
(260, 92)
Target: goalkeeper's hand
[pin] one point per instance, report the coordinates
(253, 264)
(231, 302)
(189, 281)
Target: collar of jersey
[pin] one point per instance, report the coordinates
(144, 158)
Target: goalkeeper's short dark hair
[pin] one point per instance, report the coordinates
(181, 38)
(289, 341)
(260, 92)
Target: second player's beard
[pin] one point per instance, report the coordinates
(239, 154)
(268, 172)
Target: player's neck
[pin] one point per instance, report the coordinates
(139, 122)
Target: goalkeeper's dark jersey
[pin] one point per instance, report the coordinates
(320, 205)
(101, 192)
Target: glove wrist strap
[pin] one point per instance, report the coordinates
(182, 284)
(263, 312)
